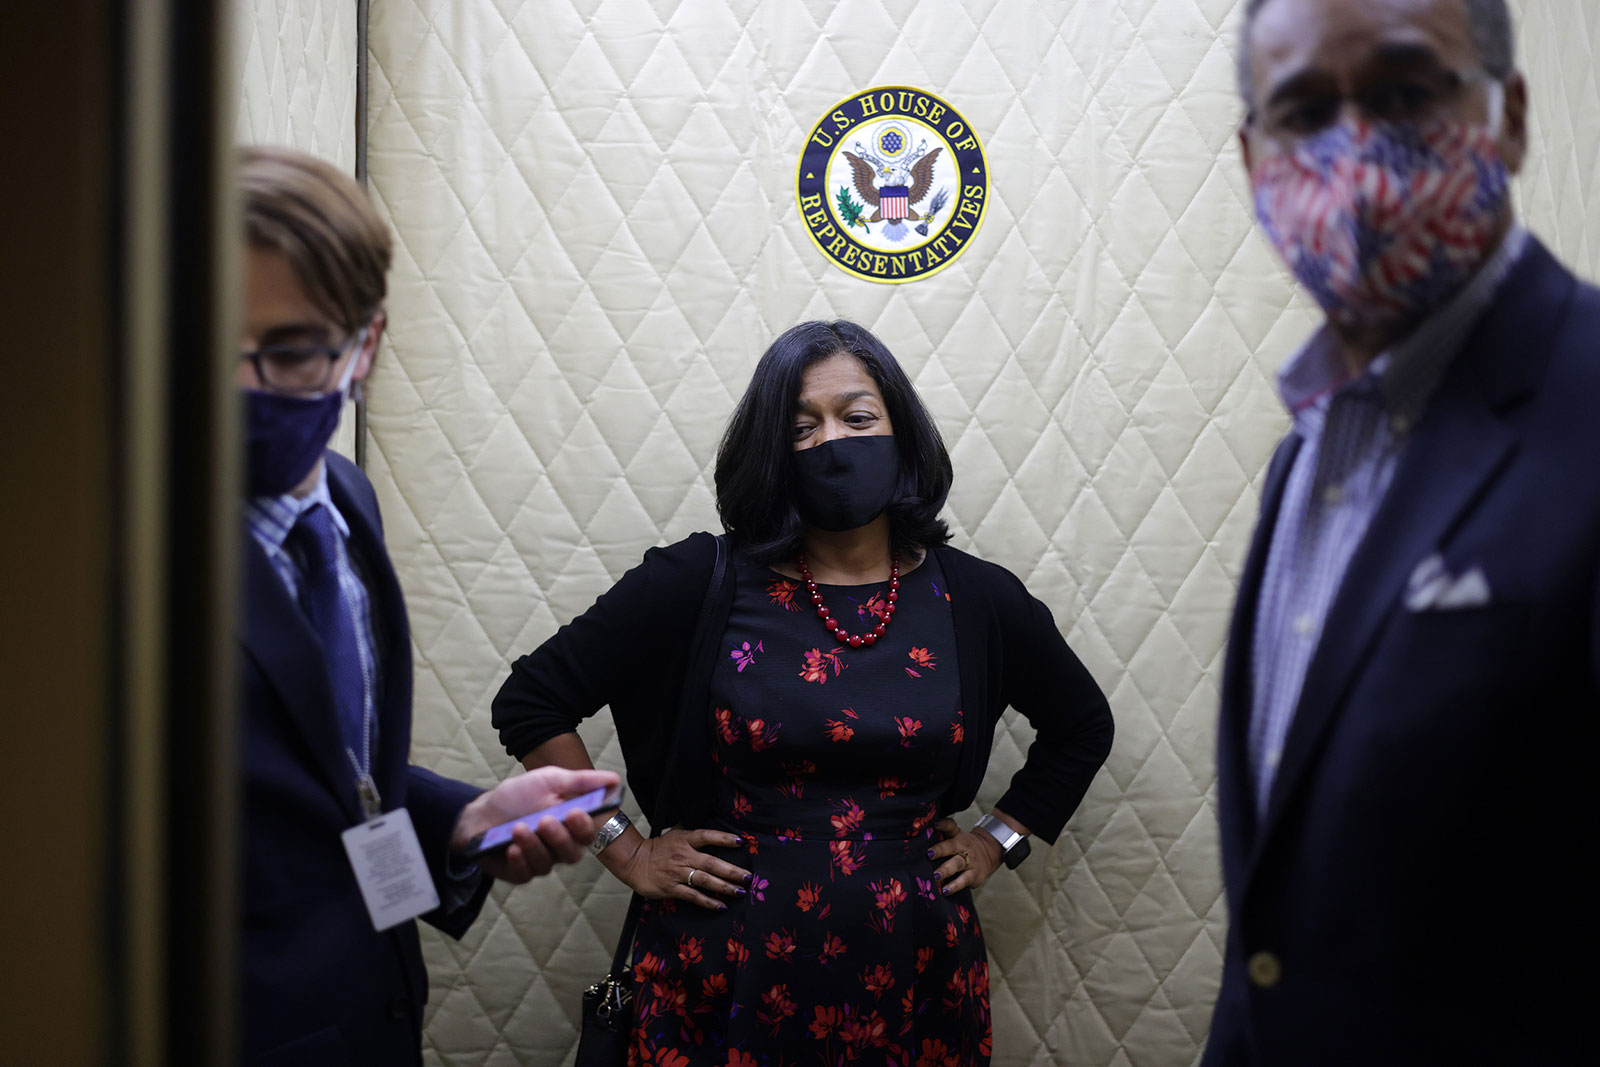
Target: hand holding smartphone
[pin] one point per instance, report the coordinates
(498, 837)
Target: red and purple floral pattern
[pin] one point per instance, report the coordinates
(831, 763)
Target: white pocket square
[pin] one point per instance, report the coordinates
(1433, 588)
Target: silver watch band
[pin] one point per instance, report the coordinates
(609, 832)
(997, 829)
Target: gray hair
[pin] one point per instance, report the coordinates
(1488, 22)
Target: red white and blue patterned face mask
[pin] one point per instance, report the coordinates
(1383, 222)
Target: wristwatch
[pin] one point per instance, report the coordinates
(609, 832)
(1012, 844)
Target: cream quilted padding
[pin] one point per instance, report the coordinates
(597, 238)
(296, 62)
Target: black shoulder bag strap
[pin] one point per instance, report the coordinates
(611, 998)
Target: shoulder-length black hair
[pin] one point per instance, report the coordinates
(755, 463)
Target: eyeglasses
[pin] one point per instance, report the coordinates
(1413, 97)
(299, 368)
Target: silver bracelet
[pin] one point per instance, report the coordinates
(997, 829)
(612, 830)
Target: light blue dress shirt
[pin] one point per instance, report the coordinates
(1352, 433)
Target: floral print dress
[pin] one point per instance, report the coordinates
(831, 761)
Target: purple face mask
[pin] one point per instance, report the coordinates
(286, 435)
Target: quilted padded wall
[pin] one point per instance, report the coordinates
(1560, 186)
(296, 63)
(598, 237)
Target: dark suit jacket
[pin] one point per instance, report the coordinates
(1412, 893)
(320, 986)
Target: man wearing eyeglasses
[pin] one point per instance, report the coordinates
(345, 842)
(1411, 700)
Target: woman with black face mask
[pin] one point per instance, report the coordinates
(802, 705)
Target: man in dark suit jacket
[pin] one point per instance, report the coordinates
(326, 668)
(1411, 700)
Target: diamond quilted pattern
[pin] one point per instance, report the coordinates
(296, 61)
(1562, 176)
(596, 238)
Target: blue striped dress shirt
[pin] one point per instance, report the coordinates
(1352, 433)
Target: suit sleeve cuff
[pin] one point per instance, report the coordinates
(462, 880)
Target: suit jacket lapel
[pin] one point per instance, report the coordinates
(1462, 441)
(278, 637)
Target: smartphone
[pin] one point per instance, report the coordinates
(498, 837)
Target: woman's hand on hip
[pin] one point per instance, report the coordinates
(673, 867)
(965, 858)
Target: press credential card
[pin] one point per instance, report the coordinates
(389, 866)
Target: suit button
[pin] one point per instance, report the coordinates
(1265, 970)
(399, 1007)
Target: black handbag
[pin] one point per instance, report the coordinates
(608, 1004)
(607, 1019)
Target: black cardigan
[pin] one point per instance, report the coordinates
(631, 651)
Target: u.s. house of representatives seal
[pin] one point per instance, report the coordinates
(892, 184)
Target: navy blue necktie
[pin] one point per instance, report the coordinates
(331, 617)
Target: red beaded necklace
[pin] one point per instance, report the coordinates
(853, 640)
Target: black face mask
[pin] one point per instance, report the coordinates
(847, 482)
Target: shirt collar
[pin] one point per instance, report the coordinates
(1405, 375)
(272, 517)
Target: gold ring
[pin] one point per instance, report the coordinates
(966, 861)
(689, 881)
